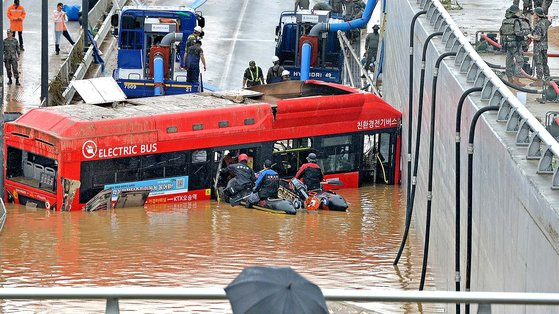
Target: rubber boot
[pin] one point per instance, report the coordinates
(17, 82)
(57, 48)
(9, 81)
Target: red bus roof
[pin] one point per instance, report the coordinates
(281, 105)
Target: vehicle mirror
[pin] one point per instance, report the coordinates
(201, 21)
(114, 20)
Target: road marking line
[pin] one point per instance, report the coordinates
(235, 37)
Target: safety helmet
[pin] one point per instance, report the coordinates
(539, 12)
(311, 157)
(243, 157)
(275, 59)
(267, 163)
(198, 29)
(285, 73)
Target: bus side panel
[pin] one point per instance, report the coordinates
(190, 196)
(349, 180)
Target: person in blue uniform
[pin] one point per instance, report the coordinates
(194, 55)
(266, 185)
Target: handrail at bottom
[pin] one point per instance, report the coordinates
(217, 293)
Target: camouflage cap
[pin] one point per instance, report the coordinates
(376, 26)
(539, 12)
(513, 8)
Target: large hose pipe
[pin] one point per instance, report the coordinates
(430, 171)
(520, 88)
(345, 26)
(158, 71)
(555, 88)
(411, 197)
(410, 107)
(491, 41)
(457, 276)
(306, 52)
(170, 38)
(470, 193)
(497, 45)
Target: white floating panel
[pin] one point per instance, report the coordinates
(101, 90)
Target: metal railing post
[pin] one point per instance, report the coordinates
(112, 306)
(356, 58)
(346, 62)
(484, 308)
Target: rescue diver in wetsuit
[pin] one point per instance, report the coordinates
(310, 173)
(243, 178)
(266, 186)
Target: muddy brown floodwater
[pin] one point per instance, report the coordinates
(207, 244)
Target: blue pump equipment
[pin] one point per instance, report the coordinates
(158, 70)
(320, 28)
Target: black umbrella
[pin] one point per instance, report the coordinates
(274, 290)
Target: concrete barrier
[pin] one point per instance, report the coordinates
(515, 211)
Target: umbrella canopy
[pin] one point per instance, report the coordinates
(274, 290)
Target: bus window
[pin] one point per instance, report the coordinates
(337, 154)
(199, 156)
(31, 169)
(290, 154)
(199, 174)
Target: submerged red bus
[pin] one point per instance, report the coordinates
(60, 157)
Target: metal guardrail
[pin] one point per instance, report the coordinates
(529, 131)
(3, 214)
(113, 295)
(69, 70)
(345, 43)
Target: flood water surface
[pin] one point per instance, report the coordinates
(206, 244)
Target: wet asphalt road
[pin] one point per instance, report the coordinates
(28, 95)
(235, 33)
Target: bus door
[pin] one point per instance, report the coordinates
(225, 156)
(199, 172)
(378, 163)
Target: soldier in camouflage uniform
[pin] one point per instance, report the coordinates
(337, 6)
(301, 4)
(526, 30)
(544, 4)
(11, 54)
(355, 10)
(540, 46)
(512, 37)
(371, 44)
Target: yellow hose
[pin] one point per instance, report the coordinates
(383, 171)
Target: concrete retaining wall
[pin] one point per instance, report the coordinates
(516, 221)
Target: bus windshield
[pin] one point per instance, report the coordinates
(31, 169)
